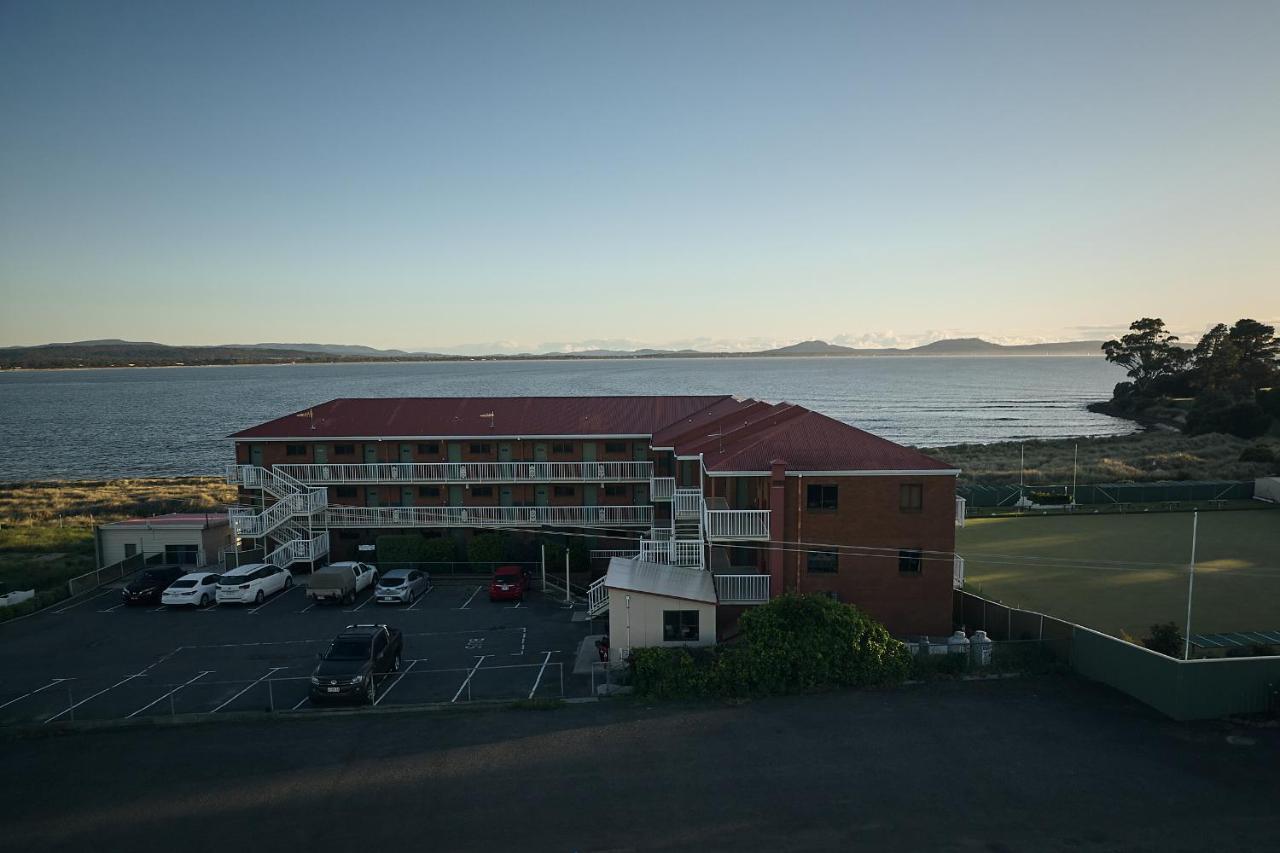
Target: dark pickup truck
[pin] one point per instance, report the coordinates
(355, 659)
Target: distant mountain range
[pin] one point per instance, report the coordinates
(118, 353)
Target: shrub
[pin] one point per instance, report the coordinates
(793, 644)
(1165, 638)
(485, 548)
(1257, 453)
(401, 548)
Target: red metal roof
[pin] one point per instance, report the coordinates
(473, 417)
(731, 433)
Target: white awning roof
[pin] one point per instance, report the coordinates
(659, 579)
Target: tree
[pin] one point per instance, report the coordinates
(1147, 353)
(1166, 639)
(1258, 351)
(1236, 361)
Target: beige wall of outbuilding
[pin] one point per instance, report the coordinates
(112, 541)
(643, 613)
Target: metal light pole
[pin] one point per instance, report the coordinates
(1191, 584)
(1075, 461)
(567, 600)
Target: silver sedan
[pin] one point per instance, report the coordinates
(401, 586)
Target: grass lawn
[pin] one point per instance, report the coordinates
(44, 557)
(1126, 572)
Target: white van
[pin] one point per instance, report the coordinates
(252, 583)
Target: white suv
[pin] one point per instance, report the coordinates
(252, 583)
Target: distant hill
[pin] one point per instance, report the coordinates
(117, 353)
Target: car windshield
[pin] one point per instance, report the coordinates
(391, 582)
(152, 577)
(185, 582)
(232, 580)
(348, 650)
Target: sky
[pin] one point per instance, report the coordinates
(531, 176)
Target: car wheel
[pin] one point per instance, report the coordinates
(348, 598)
(369, 694)
(259, 598)
(395, 664)
(288, 581)
(204, 600)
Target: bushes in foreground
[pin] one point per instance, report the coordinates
(793, 644)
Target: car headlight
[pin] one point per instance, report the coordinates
(315, 679)
(357, 679)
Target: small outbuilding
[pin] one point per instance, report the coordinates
(652, 604)
(184, 539)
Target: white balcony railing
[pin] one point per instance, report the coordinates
(470, 472)
(960, 511)
(742, 589)
(489, 516)
(306, 550)
(662, 488)
(737, 524)
(686, 552)
(656, 552)
(688, 503)
(957, 572)
(250, 522)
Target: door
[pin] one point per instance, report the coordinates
(504, 452)
(370, 454)
(255, 455)
(639, 452)
(540, 495)
(505, 496)
(540, 452)
(455, 452)
(589, 494)
(406, 453)
(322, 454)
(455, 496)
(588, 451)
(371, 496)
(406, 496)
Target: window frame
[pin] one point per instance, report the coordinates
(615, 447)
(906, 491)
(560, 490)
(295, 450)
(828, 497)
(562, 448)
(480, 448)
(822, 552)
(680, 627)
(429, 449)
(344, 450)
(911, 561)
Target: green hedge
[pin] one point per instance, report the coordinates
(414, 549)
(793, 644)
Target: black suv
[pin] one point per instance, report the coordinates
(147, 586)
(354, 660)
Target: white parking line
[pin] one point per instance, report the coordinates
(516, 606)
(261, 678)
(467, 680)
(108, 610)
(467, 603)
(419, 601)
(158, 609)
(538, 680)
(202, 674)
(361, 604)
(308, 607)
(86, 601)
(304, 700)
(524, 635)
(34, 692)
(403, 673)
(277, 597)
(70, 708)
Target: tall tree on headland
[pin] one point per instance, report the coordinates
(1148, 353)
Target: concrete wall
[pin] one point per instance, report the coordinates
(211, 541)
(644, 615)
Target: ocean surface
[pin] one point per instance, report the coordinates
(98, 424)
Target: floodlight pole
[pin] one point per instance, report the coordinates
(1191, 583)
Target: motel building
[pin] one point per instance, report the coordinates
(704, 505)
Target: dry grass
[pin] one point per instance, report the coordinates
(1142, 457)
(90, 503)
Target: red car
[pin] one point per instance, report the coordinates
(508, 584)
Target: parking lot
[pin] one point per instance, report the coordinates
(97, 659)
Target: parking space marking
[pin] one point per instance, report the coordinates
(261, 678)
(70, 708)
(538, 680)
(34, 692)
(403, 673)
(361, 604)
(304, 700)
(202, 674)
(524, 635)
(277, 597)
(467, 680)
(108, 610)
(158, 609)
(308, 607)
(515, 606)
(419, 601)
(85, 601)
(466, 604)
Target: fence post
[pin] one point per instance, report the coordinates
(543, 561)
(561, 665)
(271, 694)
(567, 599)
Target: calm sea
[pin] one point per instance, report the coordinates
(92, 424)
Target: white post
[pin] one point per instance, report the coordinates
(543, 549)
(567, 600)
(1022, 467)
(1075, 459)
(1191, 583)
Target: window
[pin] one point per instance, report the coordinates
(911, 497)
(909, 560)
(295, 450)
(564, 491)
(825, 562)
(429, 449)
(615, 491)
(183, 555)
(344, 491)
(481, 448)
(821, 497)
(680, 626)
(344, 450)
(562, 447)
(428, 491)
(348, 534)
(482, 491)
(615, 447)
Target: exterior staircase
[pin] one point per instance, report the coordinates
(287, 522)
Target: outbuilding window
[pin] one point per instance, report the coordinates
(680, 626)
(909, 561)
(911, 497)
(822, 497)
